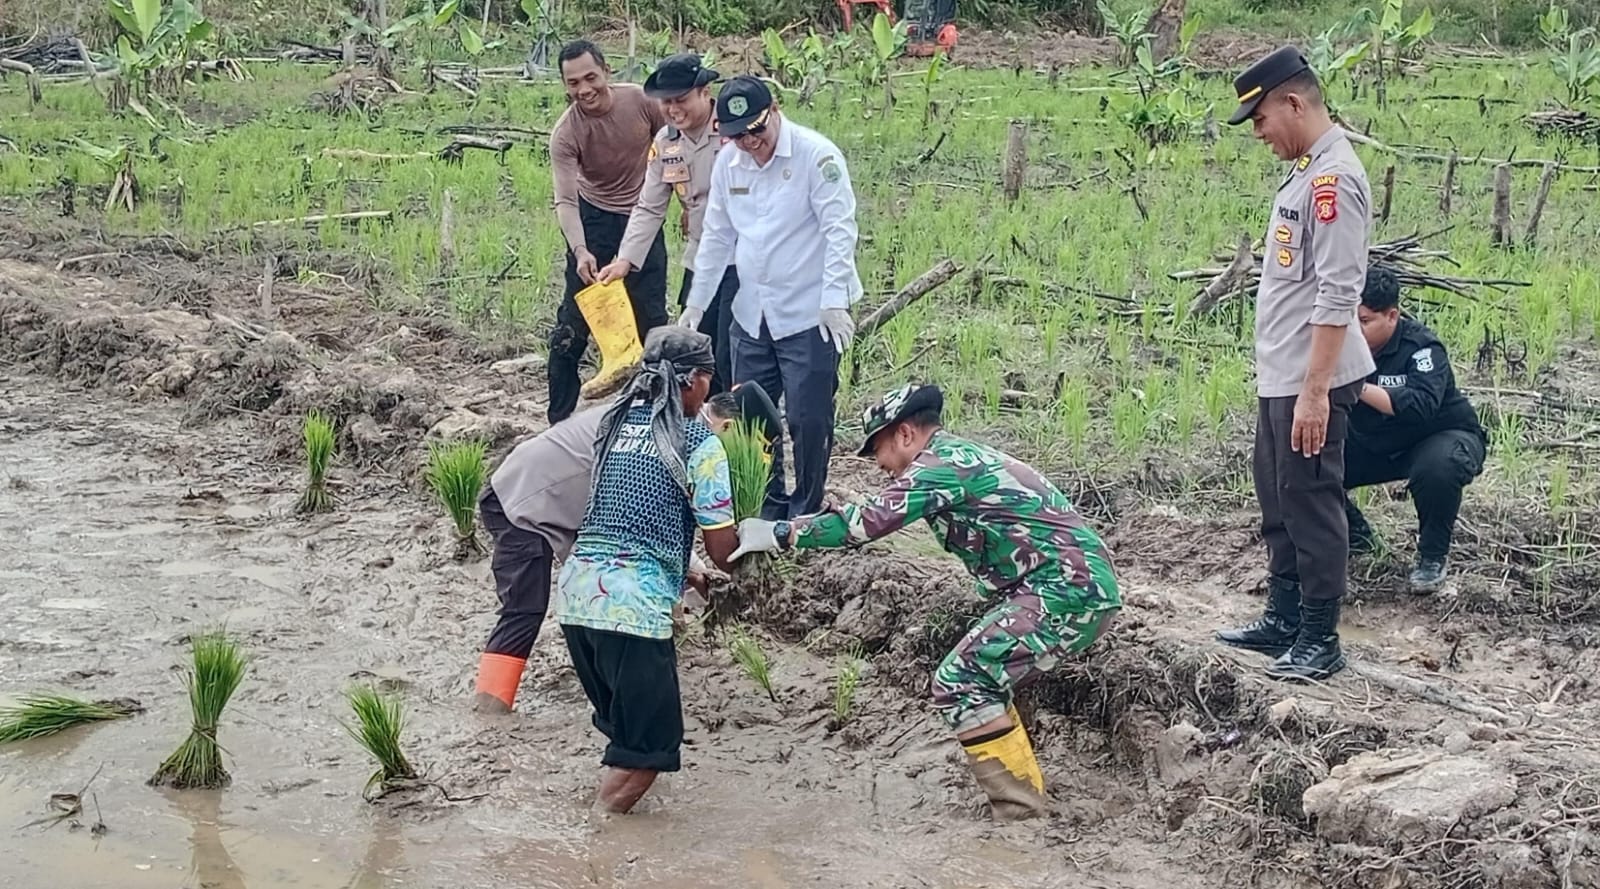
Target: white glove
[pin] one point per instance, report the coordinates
(697, 564)
(691, 317)
(755, 536)
(838, 328)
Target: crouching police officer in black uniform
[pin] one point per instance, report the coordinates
(1413, 424)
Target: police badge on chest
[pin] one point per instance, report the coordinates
(673, 168)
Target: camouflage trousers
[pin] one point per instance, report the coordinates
(1016, 642)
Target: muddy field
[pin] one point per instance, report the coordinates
(148, 474)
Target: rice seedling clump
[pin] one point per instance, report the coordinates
(218, 669)
(379, 721)
(38, 715)
(456, 473)
(319, 440)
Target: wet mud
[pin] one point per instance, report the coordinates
(148, 475)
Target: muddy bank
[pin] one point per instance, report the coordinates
(176, 509)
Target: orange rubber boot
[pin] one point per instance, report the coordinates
(498, 678)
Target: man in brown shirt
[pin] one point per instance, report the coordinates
(598, 153)
(681, 159)
(1311, 361)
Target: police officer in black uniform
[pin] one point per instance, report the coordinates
(1413, 424)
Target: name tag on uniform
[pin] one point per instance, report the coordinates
(673, 169)
(738, 189)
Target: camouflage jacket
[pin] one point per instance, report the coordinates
(1013, 529)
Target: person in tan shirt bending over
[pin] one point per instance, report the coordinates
(681, 158)
(599, 149)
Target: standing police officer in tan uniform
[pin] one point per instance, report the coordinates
(681, 158)
(1311, 361)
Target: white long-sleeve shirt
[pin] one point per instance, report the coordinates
(789, 227)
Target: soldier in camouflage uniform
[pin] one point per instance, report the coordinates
(1048, 574)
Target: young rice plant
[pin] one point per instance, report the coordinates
(218, 669)
(37, 715)
(379, 720)
(752, 660)
(318, 433)
(844, 687)
(456, 473)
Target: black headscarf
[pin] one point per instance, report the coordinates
(671, 356)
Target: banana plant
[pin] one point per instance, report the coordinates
(155, 43)
(1579, 66)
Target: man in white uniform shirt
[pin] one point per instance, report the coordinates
(782, 210)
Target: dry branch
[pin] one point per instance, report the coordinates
(1404, 257)
(1564, 121)
(1231, 279)
(1437, 158)
(361, 155)
(324, 217)
(1427, 691)
(454, 151)
(924, 284)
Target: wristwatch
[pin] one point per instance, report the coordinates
(781, 531)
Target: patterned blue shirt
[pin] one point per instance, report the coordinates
(628, 565)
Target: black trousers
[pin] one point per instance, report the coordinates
(715, 323)
(1436, 470)
(1302, 497)
(803, 369)
(632, 683)
(647, 290)
(521, 564)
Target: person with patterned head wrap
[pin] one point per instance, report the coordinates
(659, 473)
(1047, 575)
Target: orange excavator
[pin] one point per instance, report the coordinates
(930, 24)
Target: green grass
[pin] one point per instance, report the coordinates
(1140, 380)
(218, 668)
(379, 722)
(38, 715)
(319, 443)
(456, 473)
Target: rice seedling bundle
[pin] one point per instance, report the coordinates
(749, 467)
(456, 473)
(217, 671)
(319, 440)
(379, 720)
(38, 715)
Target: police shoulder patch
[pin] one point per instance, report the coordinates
(652, 150)
(1423, 358)
(830, 169)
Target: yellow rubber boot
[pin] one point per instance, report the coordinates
(1007, 771)
(610, 316)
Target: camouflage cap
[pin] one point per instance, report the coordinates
(895, 406)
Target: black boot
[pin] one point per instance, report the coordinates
(1362, 538)
(1429, 574)
(1274, 632)
(1316, 653)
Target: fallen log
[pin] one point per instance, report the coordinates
(1403, 257)
(453, 152)
(924, 284)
